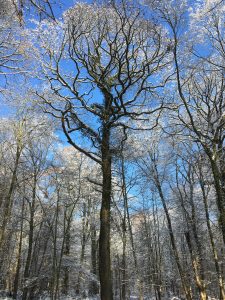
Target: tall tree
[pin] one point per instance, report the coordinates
(111, 54)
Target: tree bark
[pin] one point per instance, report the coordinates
(30, 238)
(66, 251)
(104, 238)
(17, 275)
(211, 237)
(9, 199)
(94, 286)
(199, 282)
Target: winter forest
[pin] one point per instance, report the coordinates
(112, 149)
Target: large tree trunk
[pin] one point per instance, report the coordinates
(124, 235)
(104, 238)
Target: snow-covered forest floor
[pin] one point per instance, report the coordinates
(3, 296)
(75, 298)
(98, 298)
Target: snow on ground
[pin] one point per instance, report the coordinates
(95, 298)
(88, 298)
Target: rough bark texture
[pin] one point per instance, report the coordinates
(104, 238)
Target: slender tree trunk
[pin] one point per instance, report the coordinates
(30, 239)
(94, 286)
(197, 263)
(211, 238)
(9, 199)
(153, 256)
(198, 279)
(83, 244)
(139, 279)
(220, 195)
(186, 288)
(55, 263)
(124, 266)
(66, 252)
(17, 275)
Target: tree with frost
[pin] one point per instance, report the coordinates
(174, 166)
(19, 8)
(13, 46)
(78, 195)
(26, 145)
(199, 76)
(103, 70)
